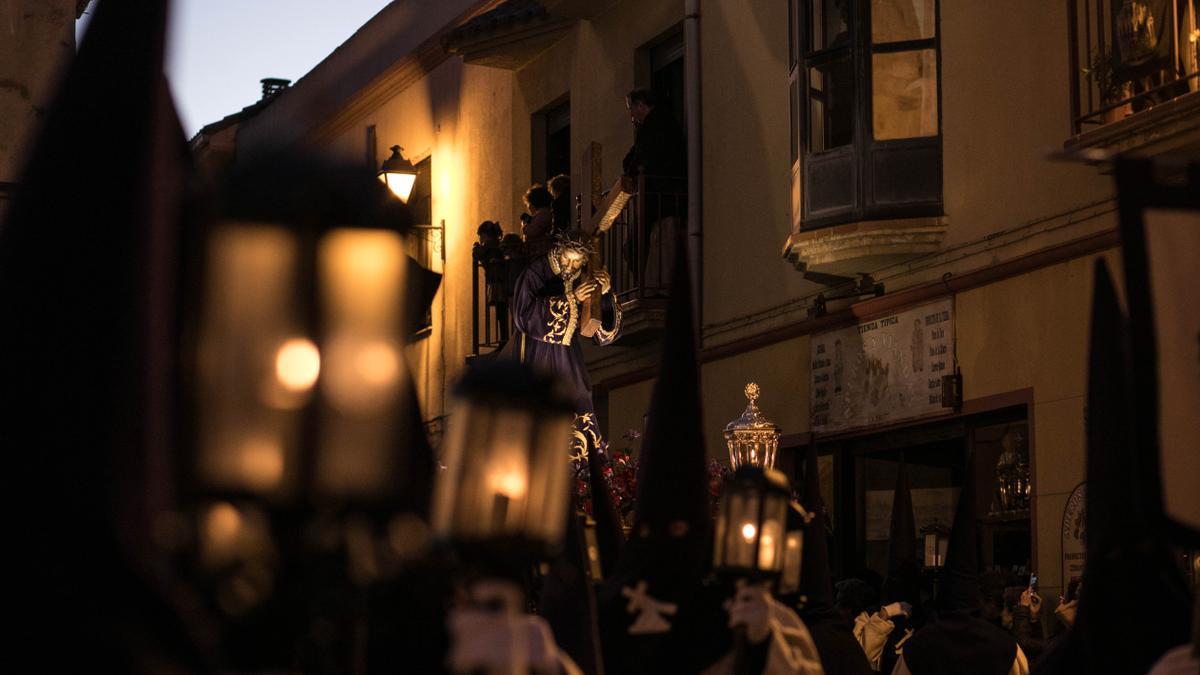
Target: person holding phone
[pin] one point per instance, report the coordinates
(1022, 618)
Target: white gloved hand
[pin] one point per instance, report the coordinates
(751, 607)
(500, 642)
(896, 609)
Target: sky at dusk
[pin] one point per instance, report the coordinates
(218, 50)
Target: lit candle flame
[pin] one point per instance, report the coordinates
(298, 364)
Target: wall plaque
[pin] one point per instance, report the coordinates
(883, 370)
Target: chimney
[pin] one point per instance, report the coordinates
(272, 86)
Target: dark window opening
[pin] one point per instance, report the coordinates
(667, 77)
(551, 141)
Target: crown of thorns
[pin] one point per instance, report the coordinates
(573, 240)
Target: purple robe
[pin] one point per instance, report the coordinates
(547, 316)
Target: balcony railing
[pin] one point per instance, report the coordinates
(1127, 56)
(639, 250)
(494, 273)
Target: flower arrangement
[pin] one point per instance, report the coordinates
(620, 472)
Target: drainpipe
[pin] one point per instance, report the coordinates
(691, 65)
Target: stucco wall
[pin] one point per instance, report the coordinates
(37, 39)
(461, 117)
(1032, 331)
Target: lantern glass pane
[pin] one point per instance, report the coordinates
(552, 477)
(361, 290)
(721, 528)
(401, 184)
(255, 368)
(449, 495)
(793, 555)
(771, 536)
(741, 539)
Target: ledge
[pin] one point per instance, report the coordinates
(1169, 127)
(509, 36)
(867, 245)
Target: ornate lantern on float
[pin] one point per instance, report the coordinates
(752, 439)
(752, 538)
(503, 496)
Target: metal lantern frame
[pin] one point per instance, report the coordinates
(399, 174)
(309, 240)
(753, 524)
(935, 538)
(798, 519)
(503, 497)
(752, 439)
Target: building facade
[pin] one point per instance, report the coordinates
(890, 241)
(39, 41)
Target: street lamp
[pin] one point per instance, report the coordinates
(398, 174)
(752, 524)
(503, 496)
(752, 439)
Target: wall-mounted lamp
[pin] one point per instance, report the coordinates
(398, 174)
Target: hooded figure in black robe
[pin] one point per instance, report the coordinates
(657, 613)
(957, 641)
(831, 631)
(88, 258)
(1133, 604)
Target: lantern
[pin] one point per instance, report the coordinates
(294, 354)
(398, 174)
(752, 524)
(793, 548)
(752, 438)
(937, 539)
(504, 492)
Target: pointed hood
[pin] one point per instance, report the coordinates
(88, 255)
(958, 586)
(568, 602)
(903, 575)
(669, 552)
(673, 500)
(816, 584)
(1122, 544)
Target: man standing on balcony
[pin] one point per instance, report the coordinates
(659, 153)
(548, 304)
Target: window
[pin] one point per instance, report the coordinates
(865, 96)
(552, 141)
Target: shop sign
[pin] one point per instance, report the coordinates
(883, 370)
(1074, 533)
